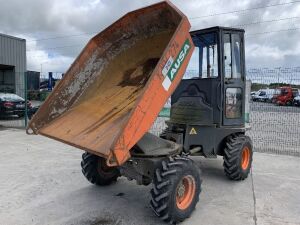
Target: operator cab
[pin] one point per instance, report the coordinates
(213, 90)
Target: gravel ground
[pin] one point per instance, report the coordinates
(41, 183)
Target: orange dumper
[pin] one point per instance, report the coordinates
(113, 92)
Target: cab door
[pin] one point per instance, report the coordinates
(234, 78)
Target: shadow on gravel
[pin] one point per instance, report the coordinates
(212, 168)
(100, 221)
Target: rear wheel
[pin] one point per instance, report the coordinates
(238, 157)
(96, 171)
(176, 189)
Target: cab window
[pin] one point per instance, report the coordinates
(204, 60)
(232, 56)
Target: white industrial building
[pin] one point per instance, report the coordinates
(12, 64)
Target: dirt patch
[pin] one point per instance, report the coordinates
(139, 75)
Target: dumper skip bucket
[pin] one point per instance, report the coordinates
(114, 90)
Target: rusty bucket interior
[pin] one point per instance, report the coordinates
(92, 103)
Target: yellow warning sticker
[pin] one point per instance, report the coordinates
(193, 131)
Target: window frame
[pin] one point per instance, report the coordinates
(218, 57)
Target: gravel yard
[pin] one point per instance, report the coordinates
(41, 183)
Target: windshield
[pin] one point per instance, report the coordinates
(283, 91)
(10, 97)
(262, 93)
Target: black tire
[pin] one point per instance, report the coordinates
(96, 171)
(238, 157)
(164, 193)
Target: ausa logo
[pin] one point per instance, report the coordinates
(173, 69)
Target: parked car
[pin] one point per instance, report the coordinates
(263, 95)
(260, 96)
(297, 100)
(286, 96)
(12, 104)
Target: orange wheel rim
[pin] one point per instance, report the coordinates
(185, 192)
(245, 158)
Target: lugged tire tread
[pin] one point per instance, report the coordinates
(232, 156)
(163, 183)
(89, 165)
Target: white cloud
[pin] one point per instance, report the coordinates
(43, 19)
(273, 53)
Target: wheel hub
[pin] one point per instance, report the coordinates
(245, 158)
(181, 190)
(103, 168)
(185, 192)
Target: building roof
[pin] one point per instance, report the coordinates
(12, 37)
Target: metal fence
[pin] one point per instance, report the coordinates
(10, 116)
(33, 88)
(275, 129)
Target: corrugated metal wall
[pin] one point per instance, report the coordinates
(13, 53)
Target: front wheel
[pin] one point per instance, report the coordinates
(238, 157)
(176, 189)
(96, 171)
